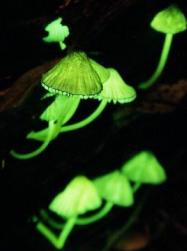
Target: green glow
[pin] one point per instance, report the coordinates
(79, 196)
(57, 242)
(61, 110)
(116, 90)
(144, 168)
(170, 20)
(75, 75)
(114, 187)
(80, 220)
(161, 64)
(57, 113)
(87, 120)
(57, 33)
(50, 135)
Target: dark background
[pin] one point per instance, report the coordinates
(116, 34)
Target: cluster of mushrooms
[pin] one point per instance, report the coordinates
(83, 195)
(78, 77)
(75, 77)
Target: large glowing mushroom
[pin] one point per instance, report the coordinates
(77, 77)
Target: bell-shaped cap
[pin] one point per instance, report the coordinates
(115, 187)
(79, 197)
(75, 74)
(144, 168)
(57, 31)
(116, 90)
(170, 20)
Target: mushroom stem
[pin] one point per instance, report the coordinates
(59, 241)
(87, 120)
(62, 45)
(161, 64)
(80, 221)
(52, 127)
(50, 221)
(88, 220)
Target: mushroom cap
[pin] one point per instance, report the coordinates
(75, 74)
(144, 168)
(57, 31)
(115, 187)
(170, 20)
(79, 196)
(116, 90)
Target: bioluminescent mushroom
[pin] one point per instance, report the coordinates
(114, 90)
(79, 197)
(144, 168)
(115, 189)
(91, 81)
(169, 21)
(57, 33)
(75, 74)
(75, 77)
(58, 113)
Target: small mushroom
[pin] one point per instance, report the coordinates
(169, 21)
(57, 32)
(115, 188)
(79, 197)
(144, 168)
(116, 90)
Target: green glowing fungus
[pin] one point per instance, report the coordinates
(57, 113)
(169, 21)
(79, 197)
(115, 188)
(116, 90)
(75, 75)
(57, 32)
(144, 168)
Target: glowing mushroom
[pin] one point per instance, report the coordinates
(169, 21)
(144, 168)
(87, 79)
(75, 77)
(115, 188)
(116, 90)
(79, 197)
(56, 32)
